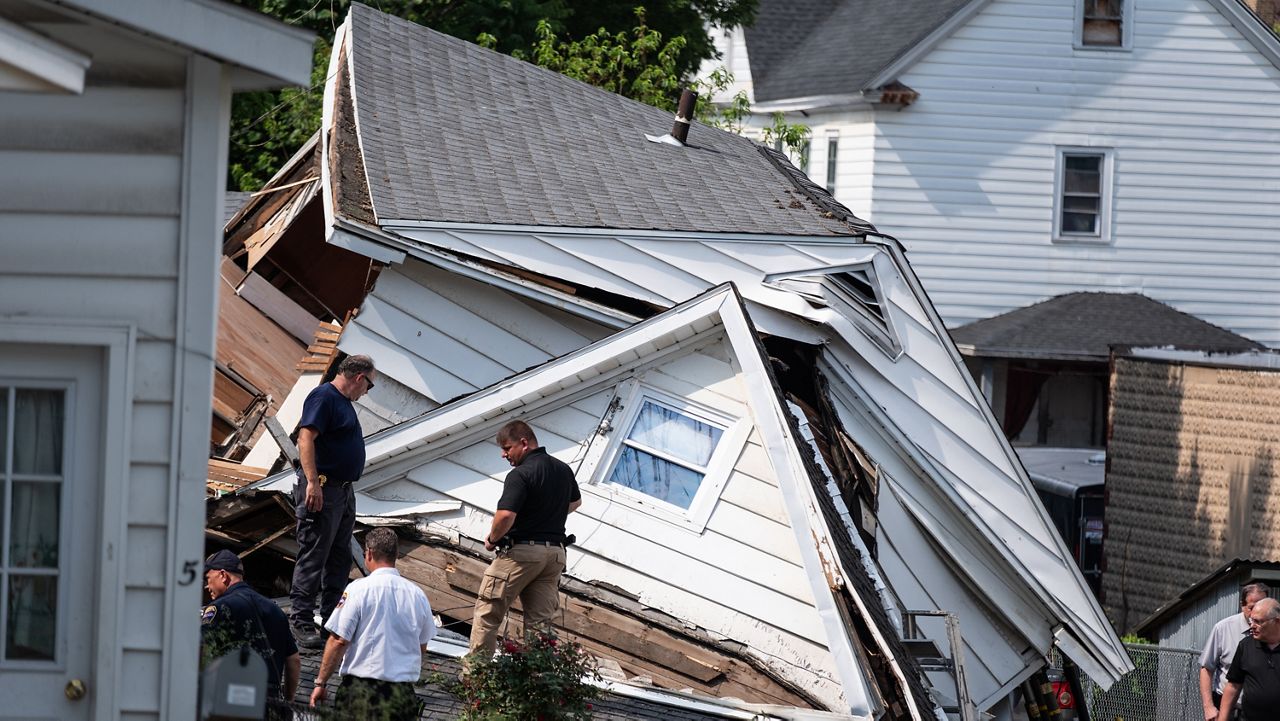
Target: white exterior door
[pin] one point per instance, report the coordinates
(51, 470)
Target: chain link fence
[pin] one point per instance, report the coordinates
(1164, 686)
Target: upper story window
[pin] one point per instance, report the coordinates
(672, 457)
(1082, 190)
(1103, 24)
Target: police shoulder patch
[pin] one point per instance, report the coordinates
(208, 614)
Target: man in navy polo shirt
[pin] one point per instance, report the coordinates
(331, 455)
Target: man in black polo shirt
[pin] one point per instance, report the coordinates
(528, 535)
(1255, 670)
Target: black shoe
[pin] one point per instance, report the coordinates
(307, 635)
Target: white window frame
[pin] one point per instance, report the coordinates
(1126, 30)
(718, 469)
(7, 481)
(833, 162)
(1106, 188)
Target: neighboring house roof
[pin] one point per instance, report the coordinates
(834, 47)
(1084, 326)
(1233, 569)
(452, 132)
(1064, 471)
(810, 49)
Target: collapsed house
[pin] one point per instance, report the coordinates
(794, 494)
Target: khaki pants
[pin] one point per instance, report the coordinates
(525, 571)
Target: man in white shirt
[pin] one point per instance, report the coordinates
(378, 633)
(1221, 648)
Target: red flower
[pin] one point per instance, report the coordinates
(510, 646)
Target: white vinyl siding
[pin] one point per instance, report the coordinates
(964, 177)
(91, 231)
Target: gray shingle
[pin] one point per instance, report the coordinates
(1077, 325)
(803, 48)
(453, 132)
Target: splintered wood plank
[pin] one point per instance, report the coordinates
(452, 580)
(255, 347)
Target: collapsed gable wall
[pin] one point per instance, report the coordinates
(741, 577)
(1193, 478)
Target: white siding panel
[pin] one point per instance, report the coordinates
(124, 119)
(142, 692)
(140, 631)
(151, 435)
(149, 303)
(107, 183)
(102, 245)
(149, 493)
(145, 564)
(965, 175)
(153, 379)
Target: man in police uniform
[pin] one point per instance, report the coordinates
(528, 533)
(330, 458)
(377, 633)
(240, 616)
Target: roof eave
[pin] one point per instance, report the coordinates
(273, 53)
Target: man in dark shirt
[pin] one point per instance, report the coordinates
(1255, 670)
(528, 535)
(240, 616)
(331, 458)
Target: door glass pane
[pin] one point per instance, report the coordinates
(34, 539)
(33, 605)
(656, 477)
(37, 431)
(675, 434)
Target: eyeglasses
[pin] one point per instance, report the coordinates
(369, 380)
(1256, 622)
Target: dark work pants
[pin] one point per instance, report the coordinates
(324, 550)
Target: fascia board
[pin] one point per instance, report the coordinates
(797, 493)
(839, 101)
(446, 260)
(1260, 37)
(59, 66)
(406, 227)
(472, 409)
(230, 34)
(917, 52)
(328, 108)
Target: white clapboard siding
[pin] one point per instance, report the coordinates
(94, 236)
(965, 176)
(441, 335)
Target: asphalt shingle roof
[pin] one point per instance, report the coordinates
(1086, 325)
(804, 48)
(452, 132)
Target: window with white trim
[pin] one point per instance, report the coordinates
(671, 456)
(1082, 195)
(833, 155)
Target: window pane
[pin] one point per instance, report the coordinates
(833, 151)
(33, 605)
(34, 543)
(1082, 181)
(675, 434)
(37, 431)
(656, 477)
(1079, 223)
(1101, 32)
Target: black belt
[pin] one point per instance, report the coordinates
(557, 544)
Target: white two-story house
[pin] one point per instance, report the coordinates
(1023, 149)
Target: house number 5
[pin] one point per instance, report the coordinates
(188, 573)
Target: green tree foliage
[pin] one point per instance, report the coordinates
(615, 52)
